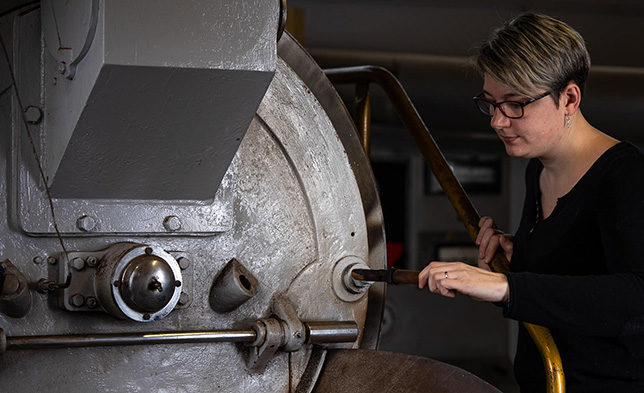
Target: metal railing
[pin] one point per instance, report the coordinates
(362, 76)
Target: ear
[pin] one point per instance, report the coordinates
(570, 98)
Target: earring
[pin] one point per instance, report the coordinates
(568, 121)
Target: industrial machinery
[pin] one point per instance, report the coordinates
(184, 198)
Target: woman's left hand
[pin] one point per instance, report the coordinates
(447, 278)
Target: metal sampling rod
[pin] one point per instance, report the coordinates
(317, 333)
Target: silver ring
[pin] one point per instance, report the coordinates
(446, 275)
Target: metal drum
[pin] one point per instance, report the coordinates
(211, 195)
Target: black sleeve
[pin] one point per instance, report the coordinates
(603, 305)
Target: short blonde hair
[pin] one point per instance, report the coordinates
(533, 52)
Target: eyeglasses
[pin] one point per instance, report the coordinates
(510, 109)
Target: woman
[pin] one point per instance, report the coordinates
(577, 259)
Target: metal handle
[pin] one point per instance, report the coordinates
(466, 211)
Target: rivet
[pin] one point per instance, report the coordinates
(52, 260)
(33, 114)
(177, 283)
(62, 67)
(37, 260)
(146, 316)
(148, 250)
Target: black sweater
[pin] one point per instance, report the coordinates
(580, 272)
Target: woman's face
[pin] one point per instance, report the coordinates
(537, 133)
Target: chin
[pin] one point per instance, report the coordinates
(513, 150)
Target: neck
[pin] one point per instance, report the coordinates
(579, 147)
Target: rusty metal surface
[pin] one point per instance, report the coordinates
(367, 371)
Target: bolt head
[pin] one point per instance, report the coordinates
(78, 263)
(33, 114)
(52, 260)
(184, 299)
(77, 300)
(184, 263)
(38, 260)
(86, 223)
(172, 223)
(62, 67)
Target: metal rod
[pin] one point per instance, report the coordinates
(95, 340)
(363, 116)
(332, 332)
(465, 209)
(319, 332)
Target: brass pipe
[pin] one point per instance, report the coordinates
(363, 116)
(466, 211)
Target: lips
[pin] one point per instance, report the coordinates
(508, 139)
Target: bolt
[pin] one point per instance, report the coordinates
(37, 260)
(62, 67)
(172, 223)
(92, 302)
(52, 260)
(177, 283)
(117, 283)
(184, 299)
(184, 263)
(77, 300)
(148, 250)
(33, 114)
(92, 261)
(78, 263)
(86, 223)
(146, 316)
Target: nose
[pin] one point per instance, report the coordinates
(499, 120)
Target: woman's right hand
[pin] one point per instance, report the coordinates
(489, 239)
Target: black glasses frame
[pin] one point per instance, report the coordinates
(497, 105)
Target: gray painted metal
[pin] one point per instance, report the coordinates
(233, 286)
(148, 93)
(301, 197)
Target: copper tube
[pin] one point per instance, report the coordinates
(466, 211)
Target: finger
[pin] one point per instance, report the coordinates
(422, 277)
(484, 223)
(507, 244)
(493, 245)
(485, 241)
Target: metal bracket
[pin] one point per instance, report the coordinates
(294, 330)
(286, 332)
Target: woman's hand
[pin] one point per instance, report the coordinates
(447, 278)
(489, 239)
